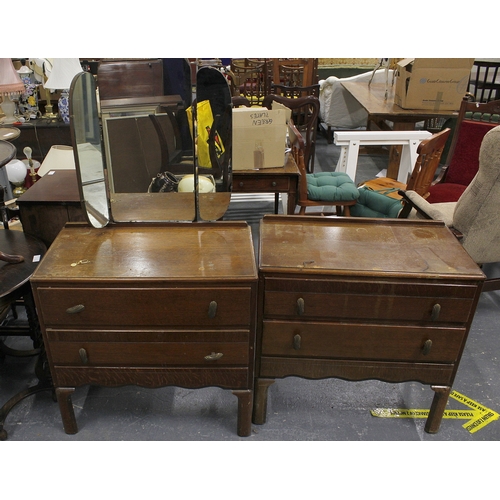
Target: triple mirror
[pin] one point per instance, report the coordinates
(189, 140)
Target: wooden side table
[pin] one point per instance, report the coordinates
(271, 180)
(15, 285)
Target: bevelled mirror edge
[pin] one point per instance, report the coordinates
(87, 149)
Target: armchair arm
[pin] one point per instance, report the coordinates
(426, 210)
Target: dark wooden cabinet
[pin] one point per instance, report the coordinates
(40, 135)
(362, 299)
(49, 204)
(152, 306)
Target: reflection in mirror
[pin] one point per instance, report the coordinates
(146, 169)
(86, 135)
(213, 122)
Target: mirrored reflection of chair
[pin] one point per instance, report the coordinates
(304, 111)
(461, 165)
(484, 82)
(249, 78)
(323, 189)
(297, 72)
(475, 217)
(294, 92)
(429, 155)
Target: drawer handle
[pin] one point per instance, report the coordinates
(300, 306)
(214, 356)
(427, 347)
(83, 356)
(212, 309)
(241, 184)
(75, 309)
(435, 312)
(273, 184)
(297, 340)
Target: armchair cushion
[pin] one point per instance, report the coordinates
(373, 204)
(331, 186)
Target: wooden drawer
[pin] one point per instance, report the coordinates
(361, 341)
(151, 307)
(377, 301)
(267, 184)
(150, 354)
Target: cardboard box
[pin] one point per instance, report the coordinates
(436, 84)
(259, 138)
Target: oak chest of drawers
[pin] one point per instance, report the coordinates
(362, 299)
(150, 306)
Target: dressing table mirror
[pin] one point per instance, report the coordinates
(192, 182)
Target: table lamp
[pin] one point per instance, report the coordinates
(61, 76)
(10, 85)
(58, 158)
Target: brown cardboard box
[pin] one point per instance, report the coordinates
(259, 138)
(436, 84)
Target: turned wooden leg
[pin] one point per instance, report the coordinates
(66, 408)
(260, 400)
(437, 408)
(245, 403)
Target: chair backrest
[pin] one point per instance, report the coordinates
(249, 79)
(474, 120)
(484, 82)
(297, 146)
(477, 212)
(305, 112)
(295, 91)
(429, 155)
(7, 152)
(299, 72)
(239, 100)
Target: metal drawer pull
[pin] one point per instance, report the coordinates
(83, 356)
(427, 347)
(435, 312)
(214, 356)
(75, 309)
(300, 306)
(212, 309)
(297, 339)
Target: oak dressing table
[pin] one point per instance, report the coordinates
(152, 290)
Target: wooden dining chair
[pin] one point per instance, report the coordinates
(297, 72)
(334, 189)
(484, 81)
(374, 193)
(304, 112)
(249, 79)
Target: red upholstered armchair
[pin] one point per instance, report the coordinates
(474, 121)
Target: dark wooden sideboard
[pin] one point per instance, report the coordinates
(360, 299)
(49, 204)
(40, 135)
(150, 305)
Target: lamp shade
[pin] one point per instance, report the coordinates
(10, 82)
(63, 72)
(58, 158)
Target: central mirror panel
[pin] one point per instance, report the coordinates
(150, 169)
